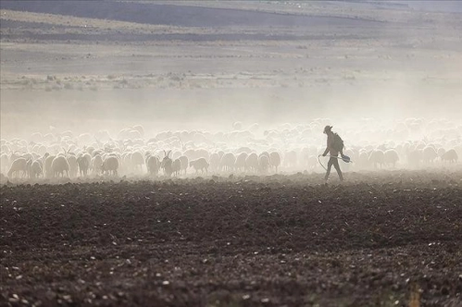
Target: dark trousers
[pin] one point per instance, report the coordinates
(334, 161)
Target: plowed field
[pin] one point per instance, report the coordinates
(379, 239)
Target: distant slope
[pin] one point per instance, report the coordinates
(446, 6)
(451, 6)
(175, 15)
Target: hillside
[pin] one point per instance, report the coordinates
(176, 15)
(279, 60)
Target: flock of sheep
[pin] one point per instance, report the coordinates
(410, 143)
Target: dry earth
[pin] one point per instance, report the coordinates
(381, 239)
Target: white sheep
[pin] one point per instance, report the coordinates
(67, 134)
(429, 154)
(244, 149)
(96, 164)
(214, 161)
(47, 166)
(140, 129)
(41, 149)
(152, 165)
(110, 165)
(199, 164)
(263, 163)
(36, 137)
(458, 149)
(202, 153)
(73, 165)
(126, 161)
(83, 162)
(85, 139)
(391, 157)
(311, 162)
(137, 161)
(130, 134)
(254, 127)
(191, 154)
(275, 160)
(18, 165)
(237, 125)
(59, 166)
(35, 169)
(290, 159)
(177, 167)
(441, 151)
(176, 155)
(240, 161)
(227, 162)
(251, 162)
(4, 163)
(184, 163)
(103, 135)
(363, 159)
(450, 156)
(166, 164)
(377, 158)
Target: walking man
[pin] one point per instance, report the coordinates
(334, 147)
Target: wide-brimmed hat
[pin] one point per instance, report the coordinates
(327, 128)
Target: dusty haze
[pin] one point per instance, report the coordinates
(67, 64)
(169, 153)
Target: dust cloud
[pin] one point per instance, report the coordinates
(379, 76)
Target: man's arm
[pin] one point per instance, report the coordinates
(327, 148)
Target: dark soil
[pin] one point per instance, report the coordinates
(380, 239)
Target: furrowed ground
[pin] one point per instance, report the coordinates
(380, 239)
